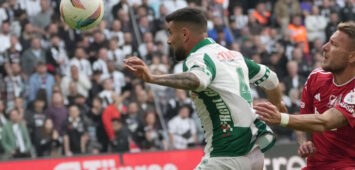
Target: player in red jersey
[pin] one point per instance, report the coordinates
(327, 107)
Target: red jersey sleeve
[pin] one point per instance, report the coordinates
(109, 113)
(307, 99)
(346, 106)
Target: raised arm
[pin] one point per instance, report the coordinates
(186, 80)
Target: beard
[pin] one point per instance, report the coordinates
(179, 54)
(334, 68)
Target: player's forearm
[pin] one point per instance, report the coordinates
(274, 96)
(187, 81)
(308, 123)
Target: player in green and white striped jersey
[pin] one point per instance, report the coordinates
(218, 80)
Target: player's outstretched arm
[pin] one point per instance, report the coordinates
(187, 80)
(330, 119)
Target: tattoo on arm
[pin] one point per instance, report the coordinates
(187, 81)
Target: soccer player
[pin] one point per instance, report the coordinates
(327, 107)
(219, 83)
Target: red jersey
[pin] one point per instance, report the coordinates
(335, 149)
(109, 113)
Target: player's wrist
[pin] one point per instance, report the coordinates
(285, 118)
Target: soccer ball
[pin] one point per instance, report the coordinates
(82, 14)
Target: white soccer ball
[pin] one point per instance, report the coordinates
(82, 14)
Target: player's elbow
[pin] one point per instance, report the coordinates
(270, 83)
(324, 123)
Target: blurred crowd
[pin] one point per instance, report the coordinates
(66, 92)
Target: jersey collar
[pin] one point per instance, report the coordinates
(201, 44)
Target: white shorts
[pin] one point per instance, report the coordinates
(253, 161)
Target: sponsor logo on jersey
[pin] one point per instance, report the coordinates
(317, 97)
(332, 101)
(350, 98)
(349, 108)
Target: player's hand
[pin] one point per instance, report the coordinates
(282, 108)
(268, 113)
(306, 148)
(139, 68)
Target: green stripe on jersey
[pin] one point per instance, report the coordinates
(253, 68)
(210, 65)
(265, 77)
(184, 67)
(227, 140)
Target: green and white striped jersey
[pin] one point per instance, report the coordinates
(223, 100)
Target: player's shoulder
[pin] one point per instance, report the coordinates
(320, 74)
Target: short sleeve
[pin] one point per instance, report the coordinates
(257, 73)
(346, 107)
(306, 98)
(203, 67)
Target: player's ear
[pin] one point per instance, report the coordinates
(185, 33)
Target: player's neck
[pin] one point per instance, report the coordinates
(344, 76)
(193, 43)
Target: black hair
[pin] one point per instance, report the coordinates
(190, 15)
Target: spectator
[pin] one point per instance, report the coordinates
(80, 79)
(115, 54)
(142, 48)
(28, 33)
(75, 133)
(112, 111)
(107, 94)
(81, 62)
(98, 43)
(3, 121)
(15, 86)
(32, 56)
(116, 76)
(35, 120)
(31, 7)
(15, 138)
(43, 18)
(284, 9)
(100, 63)
(174, 105)
(117, 32)
(315, 25)
(293, 80)
(347, 13)
(134, 124)
(40, 80)
(261, 14)
(332, 25)
(174, 5)
(120, 142)
(96, 114)
(5, 36)
(220, 27)
(57, 58)
(298, 32)
(47, 140)
(182, 130)
(96, 83)
(13, 53)
(238, 18)
(154, 139)
(57, 111)
(122, 5)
